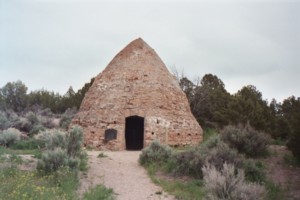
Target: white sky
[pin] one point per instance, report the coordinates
(54, 44)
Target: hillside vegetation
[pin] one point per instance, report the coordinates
(229, 164)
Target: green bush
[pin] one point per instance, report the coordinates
(13, 118)
(74, 141)
(230, 184)
(36, 129)
(254, 171)
(246, 140)
(189, 163)
(212, 151)
(4, 121)
(100, 193)
(156, 152)
(23, 124)
(64, 149)
(221, 154)
(9, 136)
(48, 122)
(32, 118)
(67, 118)
(293, 143)
(52, 160)
(56, 139)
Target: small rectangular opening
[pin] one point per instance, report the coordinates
(110, 134)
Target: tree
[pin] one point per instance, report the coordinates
(81, 93)
(13, 94)
(291, 113)
(212, 82)
(252, 108)
(187, 87)
(45, 99)
(209, 102)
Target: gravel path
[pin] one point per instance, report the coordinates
(121, 172)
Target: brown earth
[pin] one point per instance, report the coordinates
(283, 174)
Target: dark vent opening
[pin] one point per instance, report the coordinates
(110, 134)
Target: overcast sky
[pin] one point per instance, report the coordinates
(54, 44)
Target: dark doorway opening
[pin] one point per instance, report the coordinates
(134, 133)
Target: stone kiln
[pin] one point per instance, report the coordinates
(135, 101)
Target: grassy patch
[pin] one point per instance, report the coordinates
(208, 133)
(181, 190)
(274, 192)
(101, 155)
(290, 159)
(16, 184)
(35, 152)
(100, 193)
(279, 142)
(29, 144)
(83, 164)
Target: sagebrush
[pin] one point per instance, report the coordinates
(155, 152)
(230, 184)
(246, 140)
(9, 136)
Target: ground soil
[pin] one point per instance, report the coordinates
(120, 171)
(282, 173)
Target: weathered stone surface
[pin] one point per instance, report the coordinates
(137, 83)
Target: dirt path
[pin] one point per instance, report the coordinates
(121, 172)
(283, 174)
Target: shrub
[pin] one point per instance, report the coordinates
(221, 154)
(64, 149)
(254, 171)
(212, 151)
(293, 143)
(83, 157)
(46, 112)
(52, 160)
(246, 140)
(67, 118)
(211, 142)
(49, 122)
(9, 136)
(74, 141)
(13, 118)
(36, 129)
(55, 139)
(28, 144)
(32, 118)
(156, 152)
(226, 184)
(73, 163)
(99, 192)
(4, 121)
(189, 163)
(23, 124)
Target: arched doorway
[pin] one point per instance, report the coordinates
(134, 133)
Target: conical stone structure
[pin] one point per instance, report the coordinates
(135, 101)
